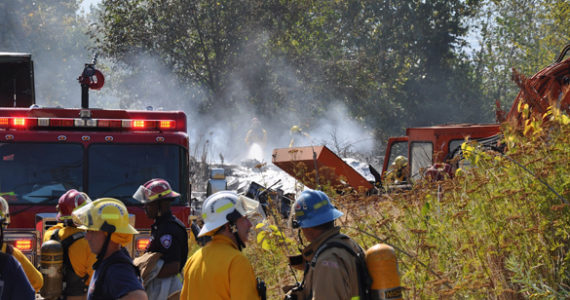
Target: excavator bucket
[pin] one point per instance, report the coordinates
(317, 166)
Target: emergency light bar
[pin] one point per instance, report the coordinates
(27, 123)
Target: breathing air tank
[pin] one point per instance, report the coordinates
(383, 268)
(51, 267)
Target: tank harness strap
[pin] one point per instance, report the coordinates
(364, 278)
(195, 230)
(55, 236)
(65, 244)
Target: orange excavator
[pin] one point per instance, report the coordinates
(549, 87)
(430, 149)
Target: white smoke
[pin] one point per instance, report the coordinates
(220, 135)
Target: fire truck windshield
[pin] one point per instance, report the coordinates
(39, 173)
(118, 170)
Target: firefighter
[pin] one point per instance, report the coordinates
(399, 172)
(330, 272)
(34, 276)
(14, 283)
(219, 271)
(108, 231)
(169, 239)
(77, 257)
(297, 132)
(256, 134)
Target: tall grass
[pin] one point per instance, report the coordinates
(500, 229)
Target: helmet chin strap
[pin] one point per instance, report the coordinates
(232, 218)
(295, 224)
(234, 230)
(300, 238)
(109, 229)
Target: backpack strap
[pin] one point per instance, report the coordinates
(66, 243)
(364, 278)
(55, 236)
(74, 283)
(332, 244)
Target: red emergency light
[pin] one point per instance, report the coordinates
(23, 244)
(142, 243)
(166, 124)
(138, 123)
(19, 122)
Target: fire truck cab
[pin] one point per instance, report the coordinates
(426, 146)
(104, 153)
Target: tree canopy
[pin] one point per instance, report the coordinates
(385, 60)
(392, 64)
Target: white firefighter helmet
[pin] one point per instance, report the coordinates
(226, 206)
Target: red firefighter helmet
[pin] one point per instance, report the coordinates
(153, 190)
(69, 201)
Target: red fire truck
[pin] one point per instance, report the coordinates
(104, 153)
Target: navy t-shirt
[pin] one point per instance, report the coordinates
(120, 278)
(14, 284)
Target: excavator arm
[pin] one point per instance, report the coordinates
(549, 87)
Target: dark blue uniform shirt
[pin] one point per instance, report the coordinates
(14, 284)
(120, 278)
(168, 236)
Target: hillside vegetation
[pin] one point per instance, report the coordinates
(499, 230)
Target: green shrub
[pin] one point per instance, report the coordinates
(499, 230)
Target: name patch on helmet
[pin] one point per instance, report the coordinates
(166, 241)
(110, 216)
